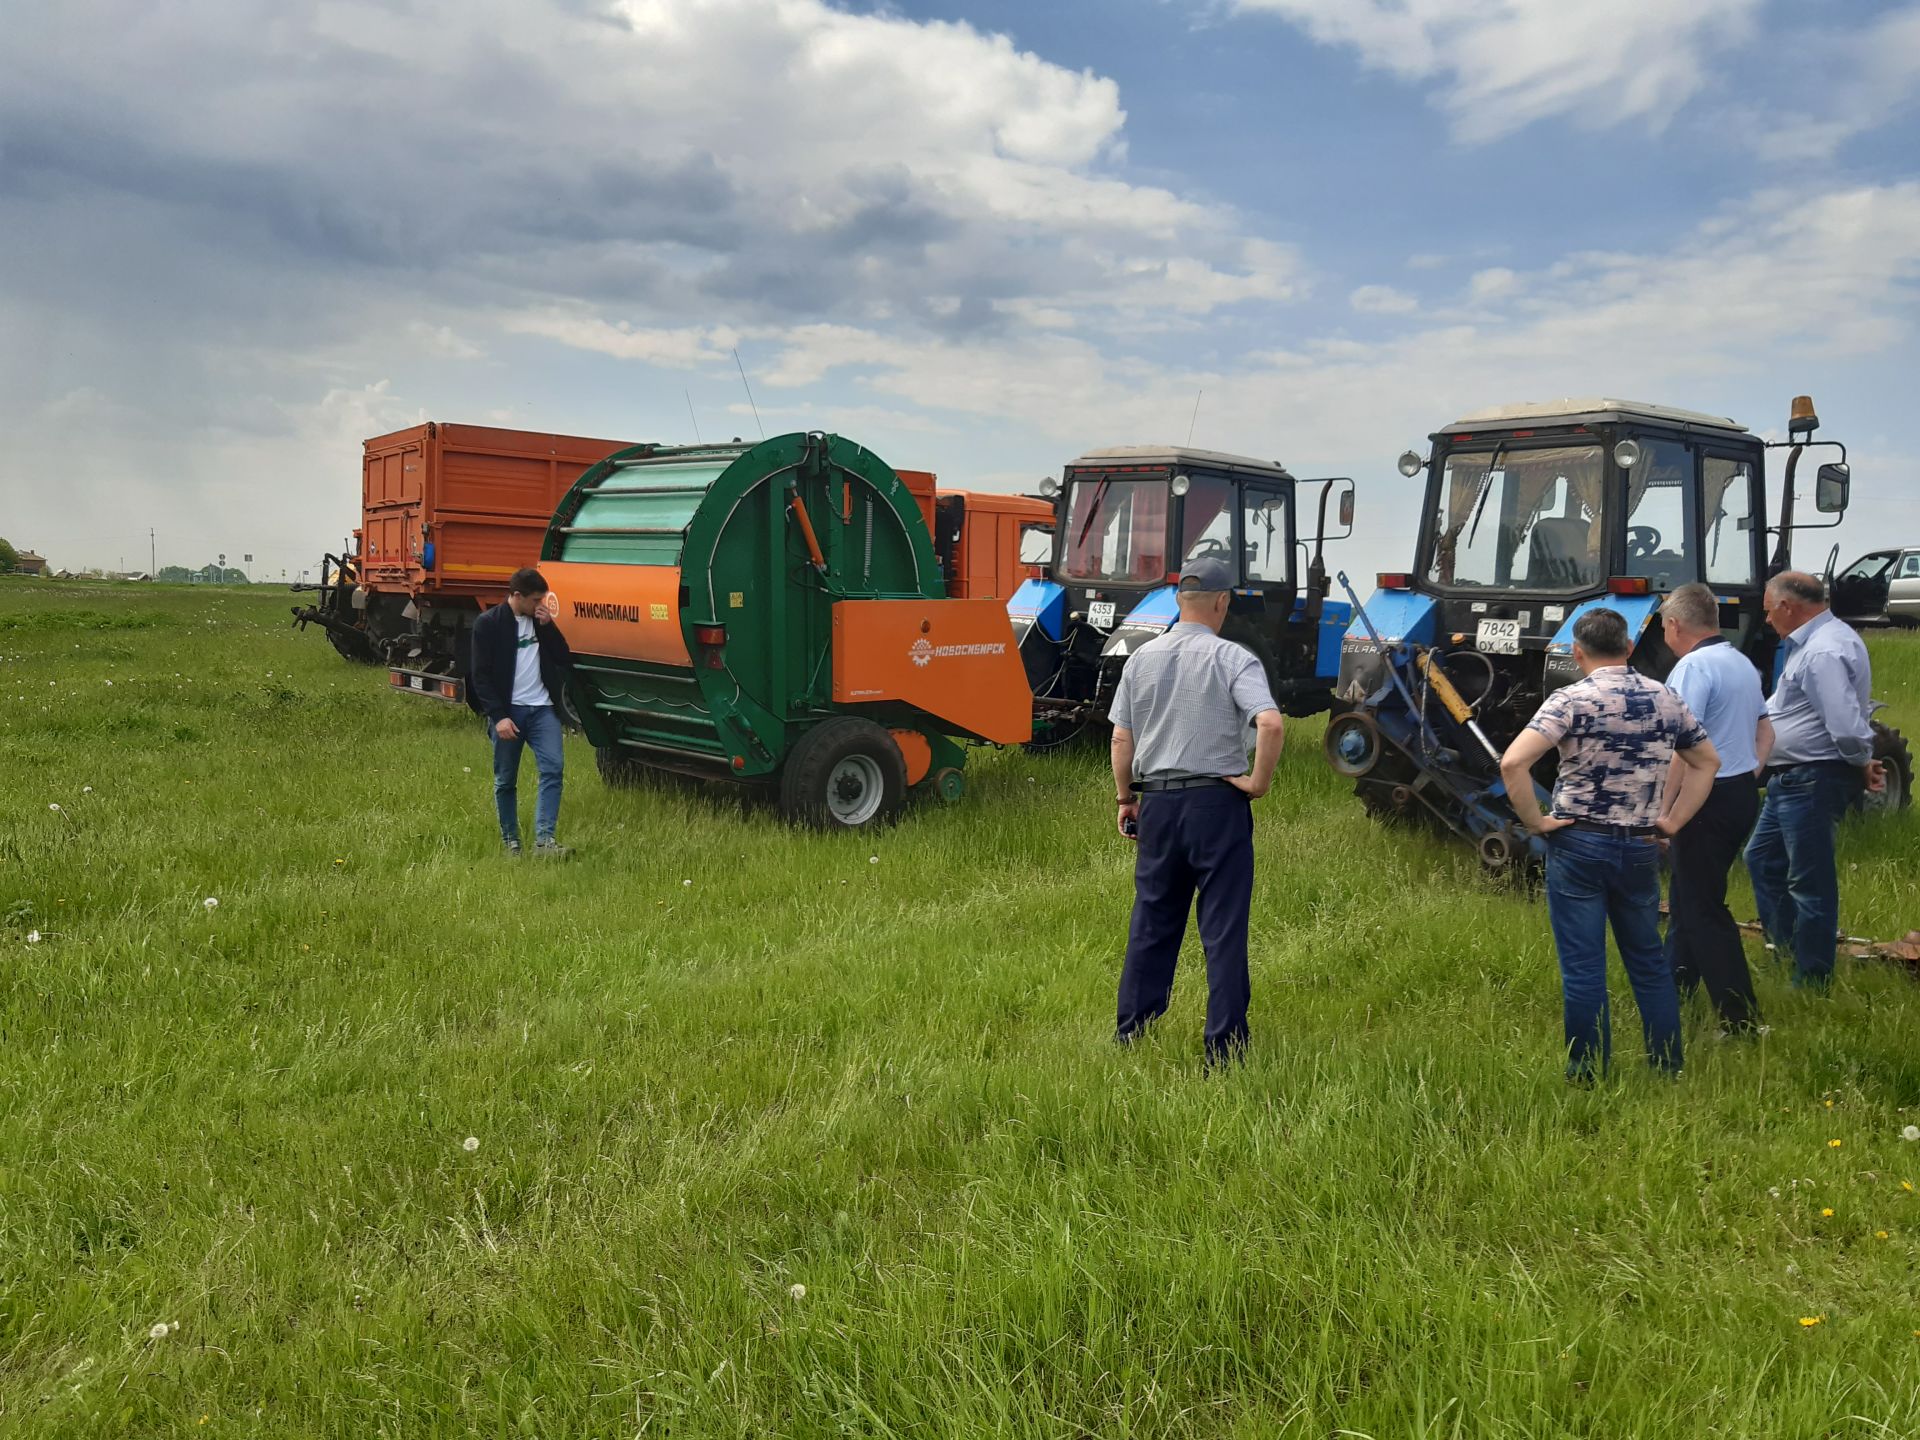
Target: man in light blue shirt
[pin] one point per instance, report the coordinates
(1822, 757)
(1722, 689)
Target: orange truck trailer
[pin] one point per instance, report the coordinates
(447, 514)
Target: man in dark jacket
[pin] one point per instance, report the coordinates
(520, 666)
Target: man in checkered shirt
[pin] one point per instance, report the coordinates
(1617, 733)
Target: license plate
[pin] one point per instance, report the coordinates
(1498, 637)
(1100, 614)
(416, 682)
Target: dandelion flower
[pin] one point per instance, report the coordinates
(1911, 1132)
(1809, 1321)
(1827, 1214)
(470, 1144)
(1879, 1234)
(212, 902)
(1906, 1184)
(1833, 1144)
(158, 1330)
(797, 1291)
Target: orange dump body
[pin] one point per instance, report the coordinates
(450, 511)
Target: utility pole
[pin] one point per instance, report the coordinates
(153, 565)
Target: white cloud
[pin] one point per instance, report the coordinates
(1382, 300)
(1500, 65)
(1844, 83)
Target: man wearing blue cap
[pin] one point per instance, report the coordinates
(1180, 718)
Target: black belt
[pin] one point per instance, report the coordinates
(1179, 782)
(1793, 765)
(1619, 832)
(1745, 777)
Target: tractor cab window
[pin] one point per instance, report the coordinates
(1036, 544)
(1660, 503)
(1117, 531)
(1206, 520)
(1263, 532)
(1521, 519)
(1727, 533)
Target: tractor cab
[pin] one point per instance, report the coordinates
(1127, 519)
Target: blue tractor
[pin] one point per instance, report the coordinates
(1534, 514)
(1126, 519)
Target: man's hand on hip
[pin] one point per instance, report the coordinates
(1248, 786)
(507, 730)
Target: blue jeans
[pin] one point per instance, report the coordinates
(539, 727)
(1594, 880)
(1791, 860)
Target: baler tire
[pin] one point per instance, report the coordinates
(617, 771)
(843, 750)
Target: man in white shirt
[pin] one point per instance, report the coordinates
(1722, 689)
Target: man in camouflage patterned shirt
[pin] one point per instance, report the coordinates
(1617, 733)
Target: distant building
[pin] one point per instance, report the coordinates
(27, 563)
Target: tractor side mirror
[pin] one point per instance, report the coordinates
(1830, 489)
(1346, 510)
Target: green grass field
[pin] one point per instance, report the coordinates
(712, 1061)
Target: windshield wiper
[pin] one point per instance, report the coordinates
(1093, 509)
(1486, 489)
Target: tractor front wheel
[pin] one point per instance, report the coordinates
(844, 774)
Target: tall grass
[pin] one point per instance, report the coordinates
(712, 1060)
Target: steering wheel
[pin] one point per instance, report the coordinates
(1209, 545)
(1642, 541)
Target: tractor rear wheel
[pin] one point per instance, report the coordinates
(353, 645)
(1891, 749)
(844, 774)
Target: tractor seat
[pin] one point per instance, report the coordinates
(1557, 553)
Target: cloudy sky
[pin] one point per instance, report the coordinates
(239, 236)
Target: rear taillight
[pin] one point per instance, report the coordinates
(1629, 585)
(1394, 580)
(710, 634)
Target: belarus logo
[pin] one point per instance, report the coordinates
(922, 651)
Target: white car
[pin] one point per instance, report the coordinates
(1881, 587)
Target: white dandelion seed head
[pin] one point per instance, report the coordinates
(33, 937)
(797, 1291)
(158, 1330)
(1912, 1132)
(686, 882)
(1774, 1191)
(466, 769)
(873, 859)
(470, 1144)
(86, 789)
(53, 807)
(175, 1325)
(212, 902)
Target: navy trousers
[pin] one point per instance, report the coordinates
(1191, 840)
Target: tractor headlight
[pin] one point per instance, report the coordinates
(1411, 464)
(1180, 484)
(1049, 487)
(1626, 454)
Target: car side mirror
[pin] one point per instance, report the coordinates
(1830, 489)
